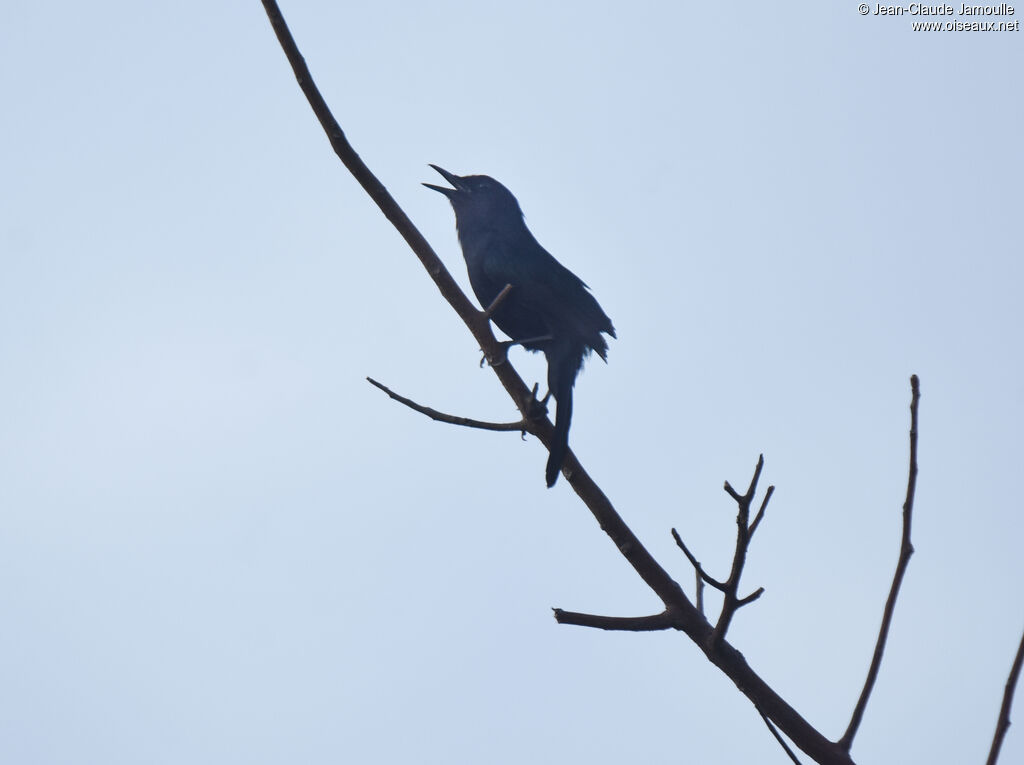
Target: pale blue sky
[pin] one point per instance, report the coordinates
(219, 544)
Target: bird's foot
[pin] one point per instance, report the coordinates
(501, 357)
(537, 407)
(504, 345)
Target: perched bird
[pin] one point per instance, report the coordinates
(548, 309)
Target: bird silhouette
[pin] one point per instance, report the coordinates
(548, 309)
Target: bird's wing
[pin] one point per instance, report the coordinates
(546, 288)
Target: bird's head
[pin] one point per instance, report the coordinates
(478, 200)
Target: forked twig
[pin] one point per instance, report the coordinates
(732, 602)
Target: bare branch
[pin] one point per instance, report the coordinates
(451, 419)
(662, 621)
(610, 521)
(906, 550)
(733, 664)
(684, 616)
(1003, 724)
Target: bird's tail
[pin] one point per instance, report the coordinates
(561, 377)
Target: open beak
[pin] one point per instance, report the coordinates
(452, 178)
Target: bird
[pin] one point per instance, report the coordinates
(548, 309)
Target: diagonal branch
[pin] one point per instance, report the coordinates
(610, 521)
(451, 419)
(1003, 723)
(906, 550)
(475, 320)
(685, 616)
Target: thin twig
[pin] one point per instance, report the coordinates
(906, 550)
(701, 573)
(451, 419)
(489, 311)
(760, 512)
(653, 623)
(750, 598)
(778, 737)
(1003, 724)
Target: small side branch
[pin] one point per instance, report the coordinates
(760, 512)
(778, 737)
(906, 550)
(702, 575)
(489, 311)
(653, 623)
(1003, 724)
(451, 419)
(750, 598)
